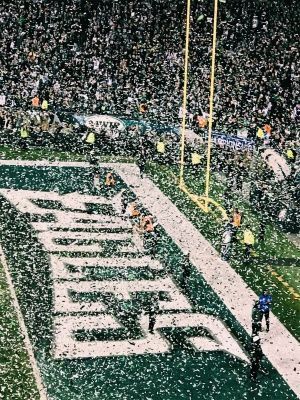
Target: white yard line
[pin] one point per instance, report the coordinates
(27, 344)
(281, 348)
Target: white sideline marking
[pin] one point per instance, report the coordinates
(281, 348)
(45, 163)
(26, 340)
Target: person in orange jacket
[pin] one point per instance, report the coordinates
(236, 223)
(110, 180)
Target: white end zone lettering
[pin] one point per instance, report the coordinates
(23, 200)
(50, 240)
(79, 220)
(66, 346)
(59, 265)
(121, 289)
(69, 280)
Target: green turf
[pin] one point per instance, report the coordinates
(178, 375)
(9, 153)
(20, 385)
(16, 378)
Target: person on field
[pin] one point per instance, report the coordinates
(132, 210)
(124, 201)
(153, 311)
(24, 137)
(256, 318)
(186, 269)
(109, 179)
(265, 302)
(256, 354)
(236, 223)
(249, 242)
(141, 161)
(150, 234)
(226, 242)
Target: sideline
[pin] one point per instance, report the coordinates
(36, 372)
(279, 346)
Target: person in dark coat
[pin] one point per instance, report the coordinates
(153, 311)
(124, 201)
(226, 243)
(256, 354)
(256, 318)
(141, 161)
(186, 269)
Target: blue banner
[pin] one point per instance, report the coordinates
(234, 143)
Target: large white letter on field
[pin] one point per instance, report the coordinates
(23, 200)
(51, 239)
(66, 345)
(60, 270)
(121, 289)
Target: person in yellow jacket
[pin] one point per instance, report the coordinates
(291, 154)
(24, 132)
(260, 133)
(196, 158)
(160, 147)
(44, 105)
(248, 241)
(23, 136)
(90, 139)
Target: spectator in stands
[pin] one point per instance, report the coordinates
(87, 57)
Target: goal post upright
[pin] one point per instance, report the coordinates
(201, 201)
(185, 83)
(211, 103)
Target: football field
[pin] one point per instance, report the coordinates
(81, 280)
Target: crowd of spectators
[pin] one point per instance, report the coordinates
(126, 58)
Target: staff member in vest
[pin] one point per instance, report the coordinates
(24, 134)
(132, 211)
(265, 302)
(249, 242)
(35, 101)
(45, 105)
(90, 140)
(160, 149)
